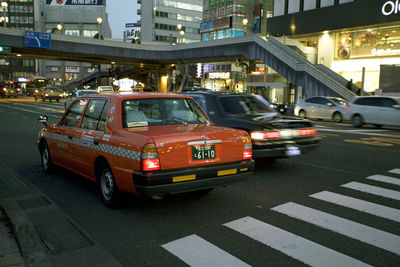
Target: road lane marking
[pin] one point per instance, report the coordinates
(290, 244)
(54, 109)
(357, 132)
(374, 190)
(30, 111)
(196, 251)
(395, 171)
(385, 179)
(363, 233)
(360, 205)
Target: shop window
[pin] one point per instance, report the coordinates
(72, 32)
(220, 35)
(279, 7)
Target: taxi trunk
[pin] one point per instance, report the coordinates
(193, 145)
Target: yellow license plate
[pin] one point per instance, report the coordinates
(227, 172)
(183, 178)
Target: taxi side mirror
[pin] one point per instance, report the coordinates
(43, 119)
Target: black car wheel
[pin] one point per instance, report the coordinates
(45, 157)
(302, 114)
(108, 188)
(357, 121)
(337, 117)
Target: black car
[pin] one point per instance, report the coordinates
(272, 134)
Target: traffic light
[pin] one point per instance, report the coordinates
(5, 49)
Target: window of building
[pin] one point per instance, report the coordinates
(325, 3)
(72, 32)
(309, 5)
(89, 33)
(220, 34)
(294, 6)
(279, 8)
(345, 1)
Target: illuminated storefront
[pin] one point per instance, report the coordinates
(358, 43)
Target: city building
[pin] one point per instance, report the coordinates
(359, 39)
(170, 21)
(17, 14)
(73, 18)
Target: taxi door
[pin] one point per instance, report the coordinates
(92, 130)
(67, 135)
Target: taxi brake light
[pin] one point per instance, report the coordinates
(150, 160)
(4, 89)
(346, 106)
(265, 135)
(247, 152)
(304, 132)
(46, 95)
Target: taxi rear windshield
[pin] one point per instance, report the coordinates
(160, 111)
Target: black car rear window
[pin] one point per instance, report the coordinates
(244, 104)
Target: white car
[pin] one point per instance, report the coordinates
(376, 110)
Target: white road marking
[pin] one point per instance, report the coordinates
(30, 111)
(374, 190)
(196, 251)
(385, 179)
(45, 107)
(395, 171)
(358, 204)
(363, 233)
(368, 132)
(290, 244)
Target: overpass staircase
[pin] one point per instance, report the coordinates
(315, 79)
(89, 78)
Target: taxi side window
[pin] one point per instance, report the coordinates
(74, 113)
(92, 114)
(102, 123)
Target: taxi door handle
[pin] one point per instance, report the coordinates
(70, 137)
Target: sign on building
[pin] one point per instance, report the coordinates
(75, 2)
(132, 31)
(72, 69)
(37, 39)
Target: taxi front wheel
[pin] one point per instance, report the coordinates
(47, 165)
(108, 188)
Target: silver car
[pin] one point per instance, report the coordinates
(320, 107)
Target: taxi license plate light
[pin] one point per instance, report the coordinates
(227, 172)
(203, 152)
(184, 178)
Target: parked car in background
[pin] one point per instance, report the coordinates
(48, 93)
(74, 95)
(145, 144)
(272, 135)
(105, 89)
(10, 89)
(320, 107)
(376, 110)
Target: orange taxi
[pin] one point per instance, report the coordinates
(145, 144)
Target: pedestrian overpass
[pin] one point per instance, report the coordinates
(309, 79)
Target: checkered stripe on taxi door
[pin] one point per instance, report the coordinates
(125, 153)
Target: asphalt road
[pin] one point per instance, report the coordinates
(270, 219)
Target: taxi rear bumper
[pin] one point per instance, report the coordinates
(194, 179)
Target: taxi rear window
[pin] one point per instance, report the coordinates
(160, 111)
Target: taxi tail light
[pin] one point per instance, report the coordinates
(46, 95)
(18, 89)
(247, 152)
(305, 132)
(150, 160)
(346, 106)
(265, 135)
(4, 89)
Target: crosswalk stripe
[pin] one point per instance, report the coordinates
(361, 205)
(290, 244)
(396, 171)
(196, 251)
(385, 179)
(375, 190)
(363, 233)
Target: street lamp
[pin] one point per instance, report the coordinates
(99, 21)
(179, 27)
(245, 21)
(59, 27)
(181, 33)
(4, 5)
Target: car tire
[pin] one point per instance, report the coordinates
(337, 117)
(35, 98)
(45, 158)
(43, 99)
(108, 188)
(357, 121)
(58, 100)
(378, 126)
(302, 114)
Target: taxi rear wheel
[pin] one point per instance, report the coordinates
(45, 157)
(108, 188)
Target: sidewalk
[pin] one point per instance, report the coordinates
(34, 231)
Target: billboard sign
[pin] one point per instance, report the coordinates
(132, 31)
(75, 2)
